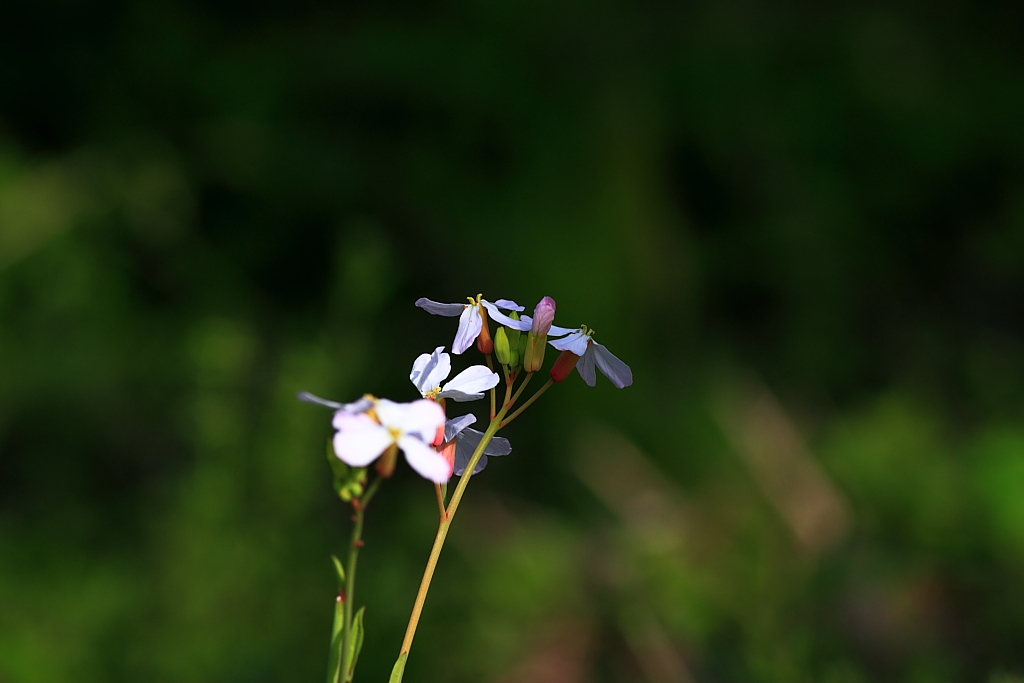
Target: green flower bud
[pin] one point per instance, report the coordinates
(534, 357)
(501, 346)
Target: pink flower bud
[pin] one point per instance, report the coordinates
(543, 316)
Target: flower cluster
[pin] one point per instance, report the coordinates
(374, 429)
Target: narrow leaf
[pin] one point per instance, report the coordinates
(337, 637)
(340, 571)
(356, 643)
(396, 673)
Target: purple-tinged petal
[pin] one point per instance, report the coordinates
(425, 460)
(465, 446)
(611, 367)
(576, 342)
(509, 305)
(522, 325)
(557, 331)
(470, 324)
(359, 440)
(435, 308)
(429, 370)
(454, 426)
(499, 445)
(585, 366)
(358, 406)
(307, 397)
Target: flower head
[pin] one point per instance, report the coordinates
(411, 427)
(471, 317)
(429, 370)
(591, 355)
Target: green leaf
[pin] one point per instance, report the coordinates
(356, 643)
(337, 638)
(396, 673)
(340, 570)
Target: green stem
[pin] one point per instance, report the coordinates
(528, 402)
(350, 577)
(442, 531)
(509, 402)
(490, 366)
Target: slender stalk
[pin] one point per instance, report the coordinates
(508, 385)
(440, 500)
(442, 531)
(350, 572)
(528, 402)
(519, 392)
(490, 366)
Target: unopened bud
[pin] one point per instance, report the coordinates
(563, 365)
(534, 356)
(386, 462)
(516, 343)
(521, 348)
(501, 347)
(543, 316)
(484, 343)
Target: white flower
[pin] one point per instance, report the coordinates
(470, 317)
(409, 426)
(466, 441)
(592, 354)
(430, 370)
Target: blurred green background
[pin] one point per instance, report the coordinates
(802, 226)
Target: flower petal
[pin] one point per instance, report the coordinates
(307, 397)
(425, 460)
(499, 445)
(466, 443)
(612, 368)
(576, 342)
(455, 425)
(420, 418)
(358, 406)
(465, 446)
(470, 384)
(462, 460)
(433, 307)
(469, 328)
(509, 305)
(557, 331)
(429, 370)
(523, 325)
(585, 366)
(359, 440)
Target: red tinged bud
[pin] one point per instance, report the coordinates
(386, 462)
(484, 343)
(543, 317)
(563, 365)
(438, 436)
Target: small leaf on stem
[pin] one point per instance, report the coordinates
(396, 673)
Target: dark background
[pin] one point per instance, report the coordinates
(802, 226)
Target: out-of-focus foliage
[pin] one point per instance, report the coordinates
(802, 227)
